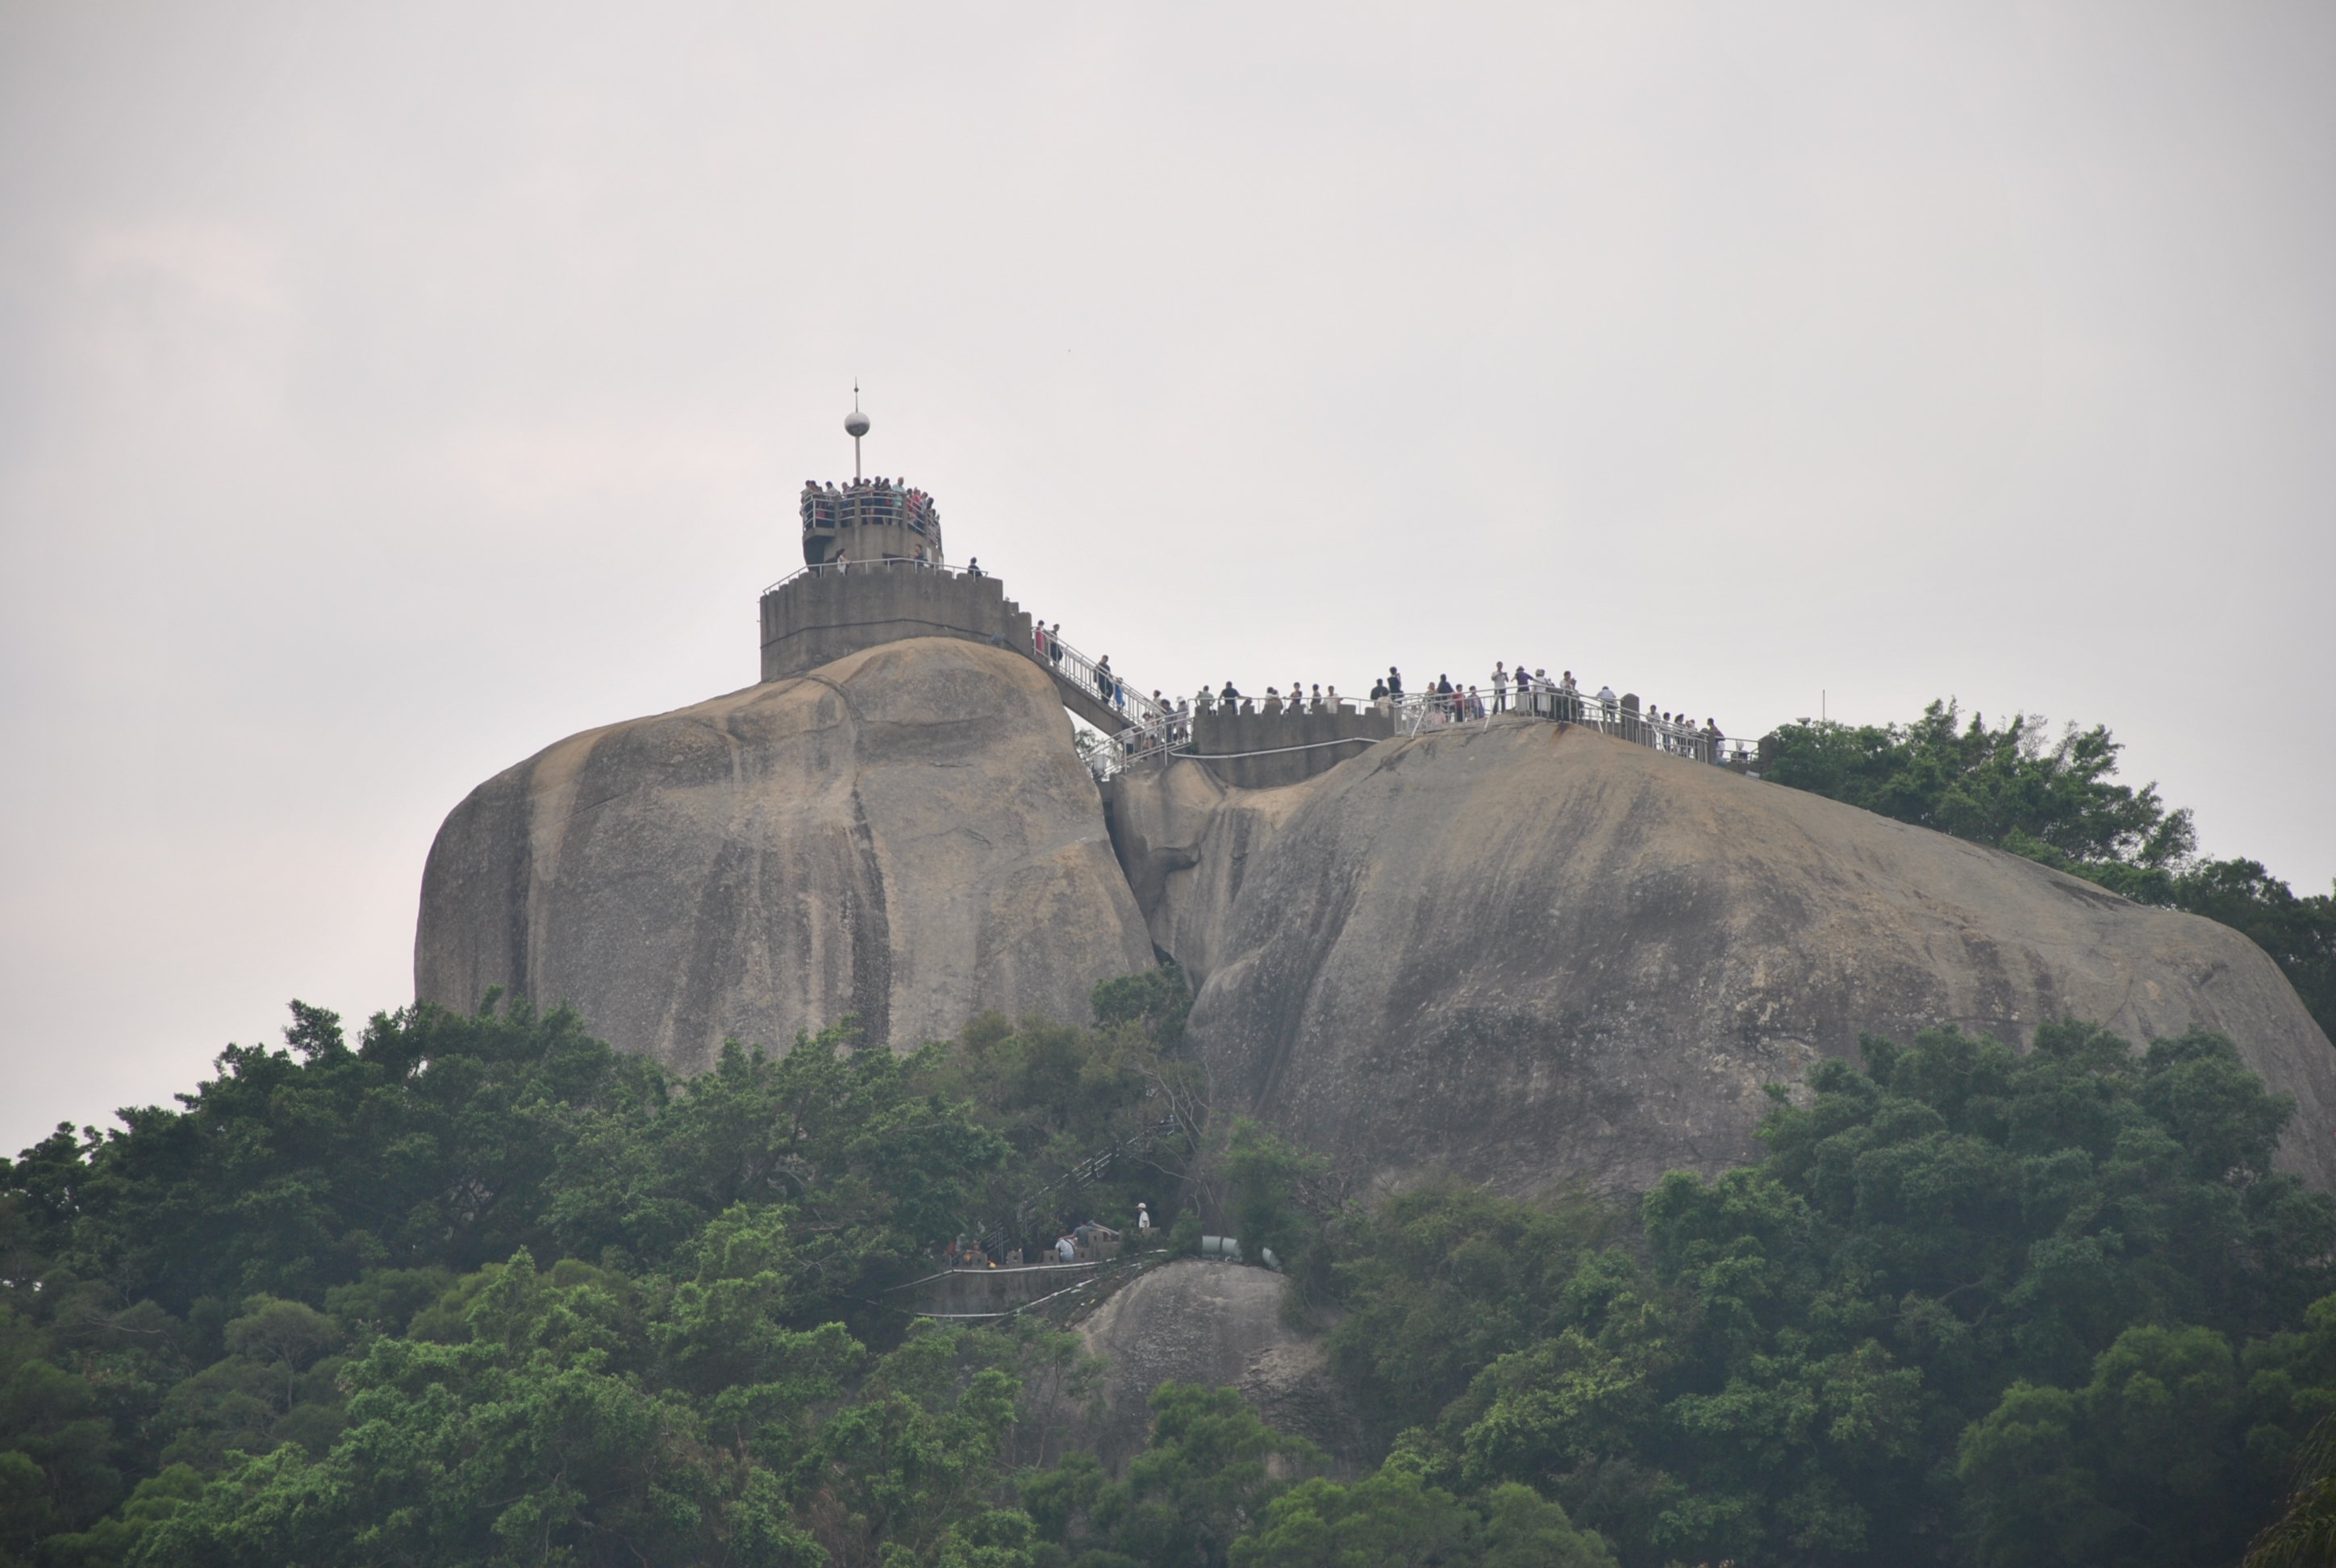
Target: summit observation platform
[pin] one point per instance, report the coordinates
(874, 573)
(823, 612)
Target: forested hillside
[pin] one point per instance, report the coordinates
(478, 1289)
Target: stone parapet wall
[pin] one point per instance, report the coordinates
(816, 618)
(1266, 750)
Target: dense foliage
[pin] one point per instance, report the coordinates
(1972, 1306)
(478, 1290)
(2054, 799)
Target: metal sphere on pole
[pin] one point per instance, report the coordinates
(855, 425)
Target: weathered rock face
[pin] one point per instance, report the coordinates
(1218, 1325)
(1536, 956)
(905, 834)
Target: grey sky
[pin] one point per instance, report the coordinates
(386, 392)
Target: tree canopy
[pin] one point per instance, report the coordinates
(478, 1290)
(1836, 1356)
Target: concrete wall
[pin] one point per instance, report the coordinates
(815, 619)
(1286, 748)
(867, 542)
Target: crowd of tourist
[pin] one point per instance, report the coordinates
(1159, 723)
(1164, 723)
(1560, 697)
(878, 502)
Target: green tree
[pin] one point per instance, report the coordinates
(2143, 1467)
(1440, 1279)
(2304, 1534)
(295, 1170)
(1780, 1375)
(1154, 1001)
(873, 1161)
(910, 1465)
(1276, 1217)
(1204, 1479)
(384, 1394)
(2016, 785)
(1525, 1530)
(1392, 1519)
(1063, 1099)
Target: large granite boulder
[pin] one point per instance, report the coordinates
(905, 834)
(1537, 956)
(1218, 1325)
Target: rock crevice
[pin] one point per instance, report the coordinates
(1536, 956)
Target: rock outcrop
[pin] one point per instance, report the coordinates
(1537, 956)
(905, 834)
(1218, 1325)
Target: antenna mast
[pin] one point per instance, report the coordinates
(855, 425)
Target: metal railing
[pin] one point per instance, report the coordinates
(1096, 677)
(883, 563)
(1418, 711)
(864, 503)
(1163, 732)
(1156, 728)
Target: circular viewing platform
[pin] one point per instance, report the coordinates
(869, 520)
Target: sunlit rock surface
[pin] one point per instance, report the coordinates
(905, 834)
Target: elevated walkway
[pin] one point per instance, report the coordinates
(824, 612)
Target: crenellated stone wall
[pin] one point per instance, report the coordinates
(820, 616)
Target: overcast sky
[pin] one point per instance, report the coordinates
(388, 391)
